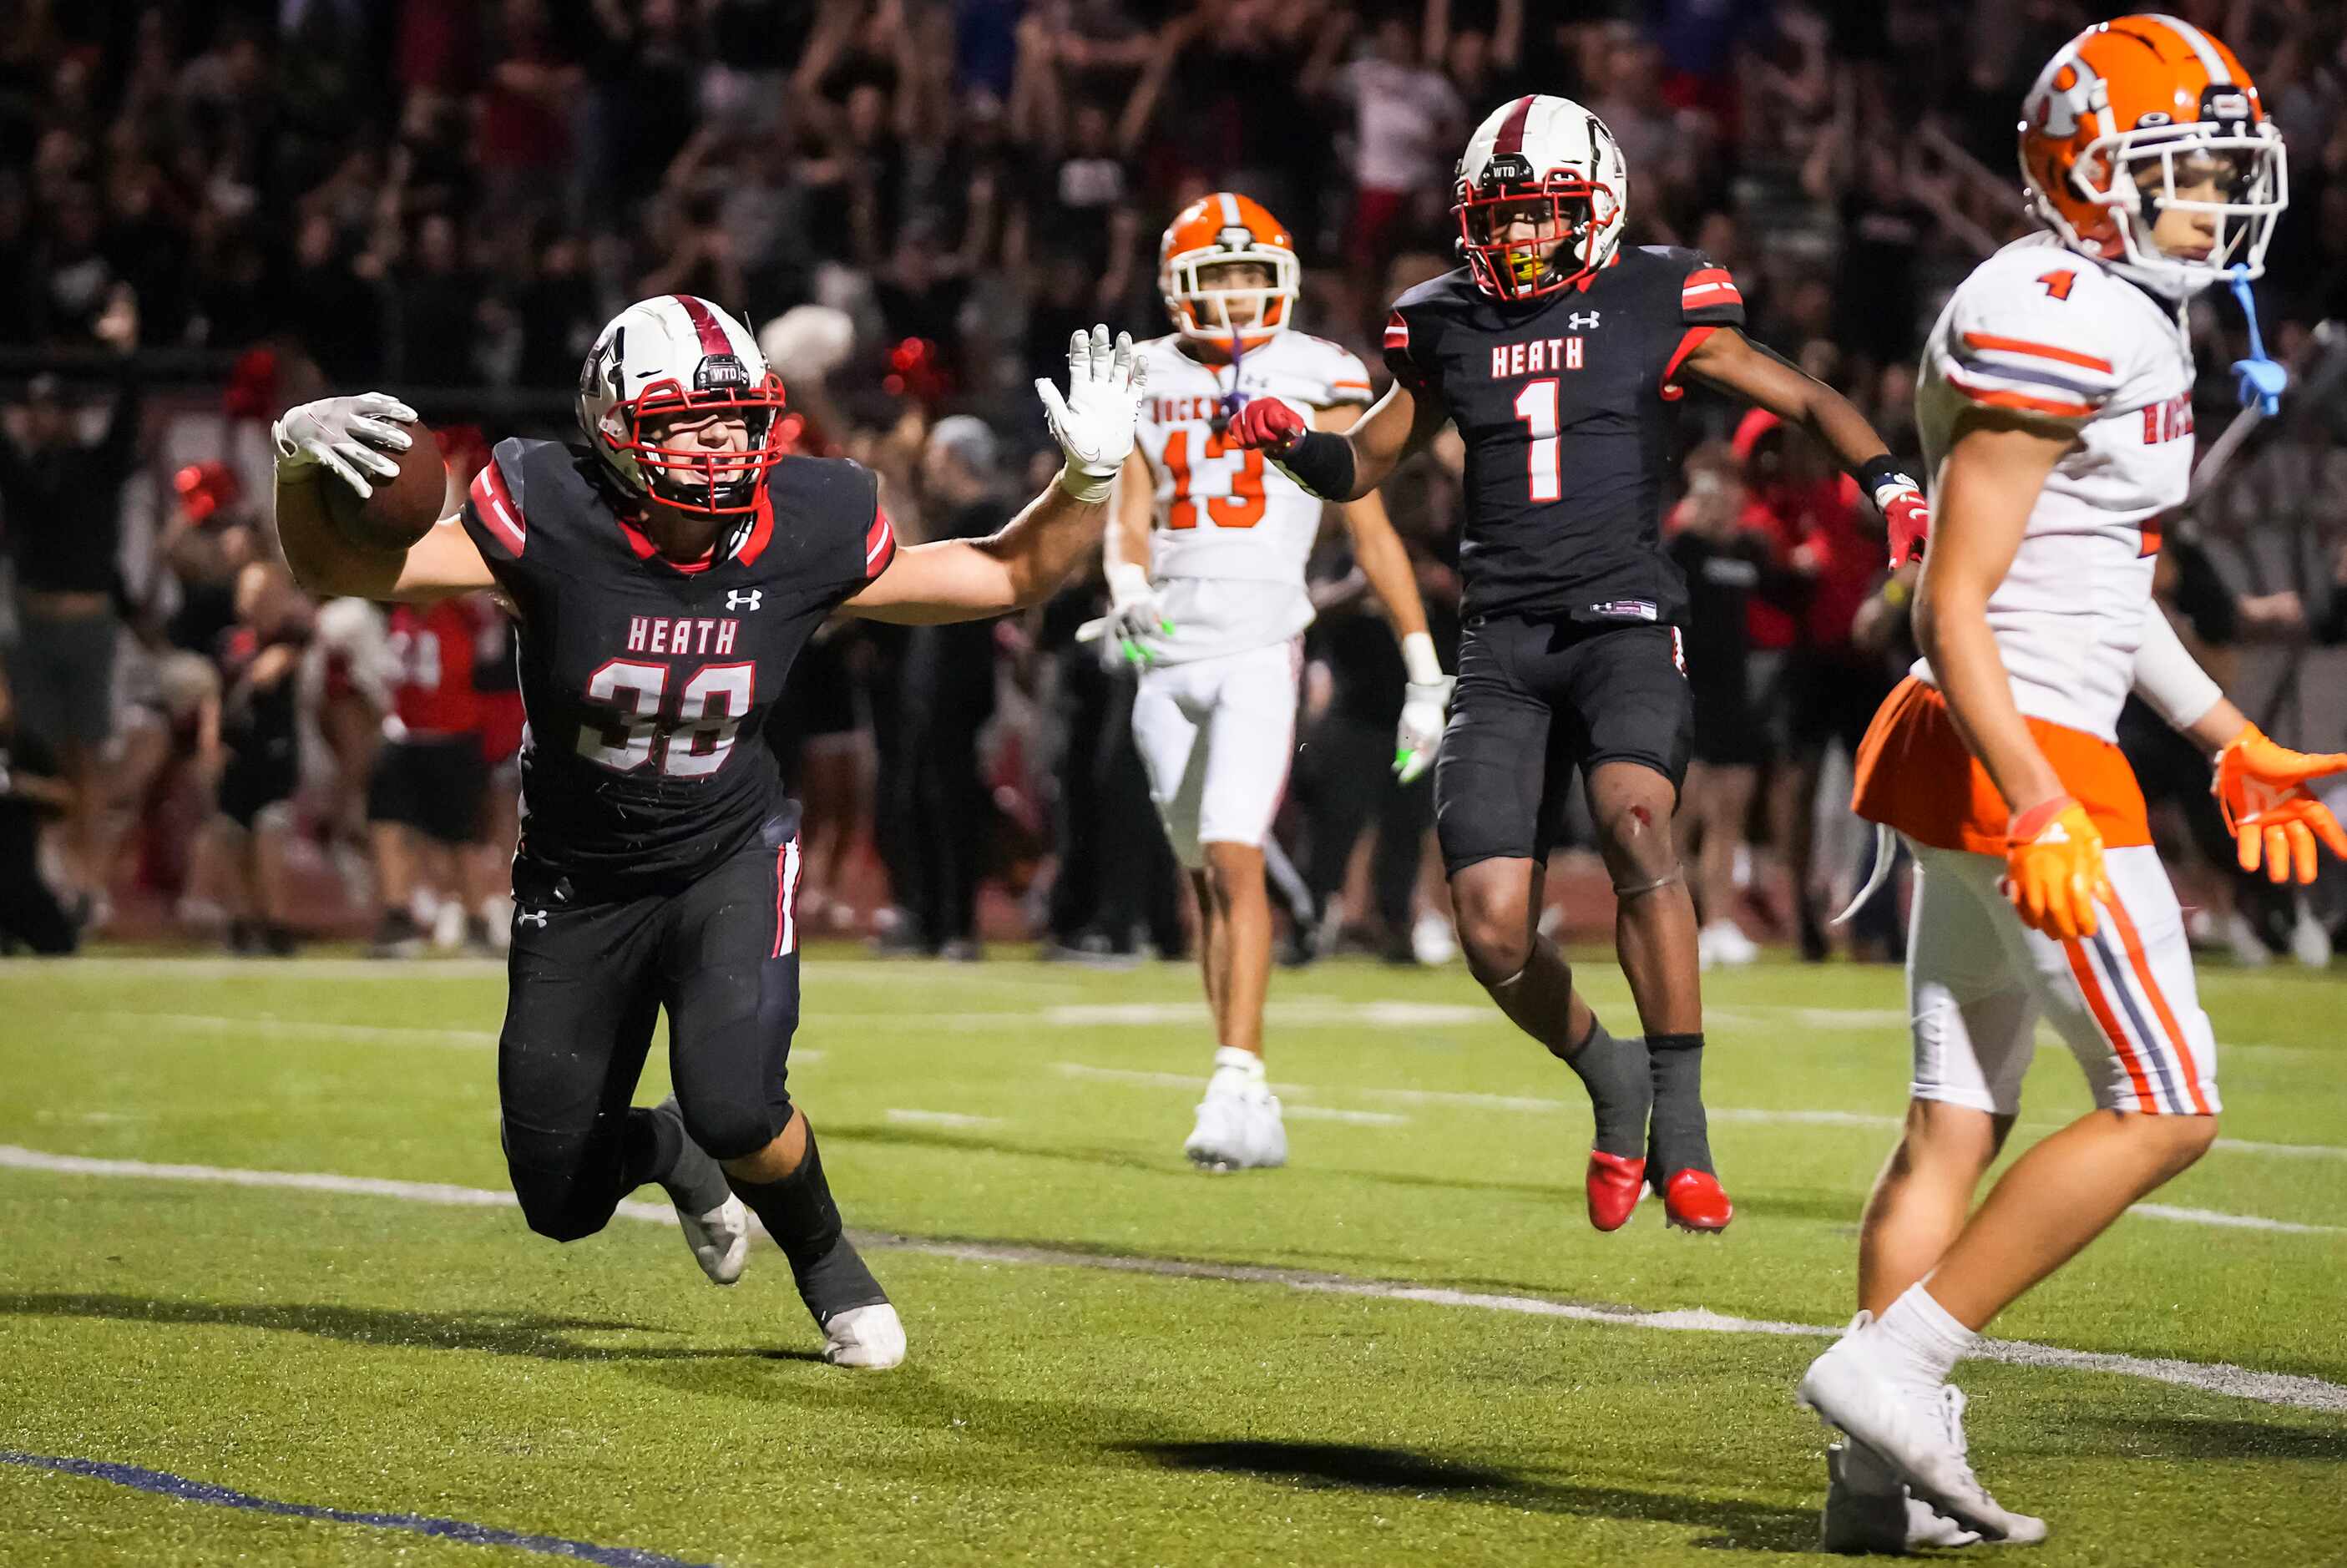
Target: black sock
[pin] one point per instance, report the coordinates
(799, 1214)
(1680, 1141)
(1621, 1089)
(692, 1179)
(648, 1145)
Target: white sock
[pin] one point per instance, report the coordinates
(1923, 1336)
(1246, 1063)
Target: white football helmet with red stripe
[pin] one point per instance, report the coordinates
(1541, 195)
(674, 356)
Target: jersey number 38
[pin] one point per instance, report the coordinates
(693, 742)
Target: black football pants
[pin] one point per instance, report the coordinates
(586, 976)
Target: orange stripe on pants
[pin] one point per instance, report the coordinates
(2100, 1006)
(2134, 945)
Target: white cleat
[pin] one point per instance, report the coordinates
(1867, 1508)
(1723, 942)
(870, 1338)
(1916, 1429)
(719, 1239)
(1238, 1127)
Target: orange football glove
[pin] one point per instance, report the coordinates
(2261, 789)
(2053, 869)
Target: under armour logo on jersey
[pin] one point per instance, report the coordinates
(744, 598)
(530, 918)
(1580, 321)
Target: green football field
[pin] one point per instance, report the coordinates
(262, 1298)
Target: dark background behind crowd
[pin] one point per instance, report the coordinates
(211, 211)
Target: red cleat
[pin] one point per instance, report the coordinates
(1692, 1200)
(1615, 1181)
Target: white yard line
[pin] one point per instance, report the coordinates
(2233, 1222)
(1871, 1121)
(1295, 1113)
(2293, 1389)
(388, 1034)
(910, 1117)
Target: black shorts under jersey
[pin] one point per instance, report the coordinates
(437, 784)
(1536, 698)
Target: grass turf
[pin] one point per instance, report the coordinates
(372, 1354)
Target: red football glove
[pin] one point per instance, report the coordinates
(1266, 424)
(1908, 518)
(2261, 789)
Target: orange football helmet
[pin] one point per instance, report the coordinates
(2126, 98)
(1217, 231)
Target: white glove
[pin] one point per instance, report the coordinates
(347, 436)
(1425, 707)
(1093, 423)
(1134, 615)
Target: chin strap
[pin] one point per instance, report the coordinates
(2256, 379)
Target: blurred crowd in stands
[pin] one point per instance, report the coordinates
(213, 209)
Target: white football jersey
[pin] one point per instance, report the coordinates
(1233, 531)
(2043, 331)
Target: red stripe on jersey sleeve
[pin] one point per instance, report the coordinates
(1397, 331)
(1689, 342)
(1710, 286)
(879, 545)
(494, 505)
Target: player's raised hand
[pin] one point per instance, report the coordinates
(1093, 423)
(2261, 789)
(2053, 869)
(347, 436)
(1266, 424)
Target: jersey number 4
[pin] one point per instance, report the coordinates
(1241, 505)
(693, 742)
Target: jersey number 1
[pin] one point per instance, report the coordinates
(693, 743)
(1536, 406)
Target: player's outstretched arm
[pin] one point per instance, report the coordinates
(2261, 786)
(1031, 556)
(1338, 464)
(343, 441)
(1734, 364)
(1384, 560)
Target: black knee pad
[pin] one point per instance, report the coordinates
(728, 1128)
(568, 1185)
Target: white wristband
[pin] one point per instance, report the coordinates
(1090, 488)
(1417, 657)
(1127, 583)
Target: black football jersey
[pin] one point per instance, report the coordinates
(1570, 419)
(648, 685)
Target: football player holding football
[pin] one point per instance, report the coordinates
(1206, 572)
(1561, 355)
(664, 575)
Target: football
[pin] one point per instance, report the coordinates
(402, 509)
